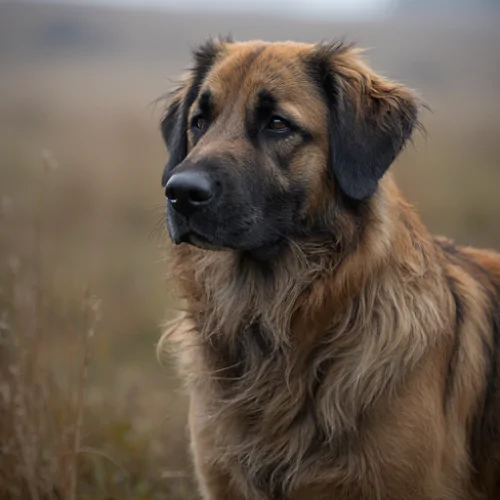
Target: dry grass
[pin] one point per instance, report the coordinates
(95, 416)
(66, 431)
(41, 419)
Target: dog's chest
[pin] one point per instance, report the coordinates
(267, 449)
(274, 422)
(261, 415)
(267, 461)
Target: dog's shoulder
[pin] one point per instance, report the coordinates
(483, 264)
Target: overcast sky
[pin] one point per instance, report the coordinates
(314, 8)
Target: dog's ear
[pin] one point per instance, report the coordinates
(174, 124)
(370, 118)
(174, 130)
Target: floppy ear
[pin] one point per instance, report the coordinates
(174, 131)
(174, 123)
(370, 119)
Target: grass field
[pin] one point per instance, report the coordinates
(86, 409)
(82, 300)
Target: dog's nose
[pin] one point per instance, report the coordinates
(189, 191)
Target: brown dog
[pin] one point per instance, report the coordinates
(332, 348)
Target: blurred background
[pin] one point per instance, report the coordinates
(86, 410)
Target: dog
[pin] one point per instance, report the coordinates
(331, 347)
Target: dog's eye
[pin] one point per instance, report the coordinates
(199, 122)
(279, 125)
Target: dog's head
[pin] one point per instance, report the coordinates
(263, 136)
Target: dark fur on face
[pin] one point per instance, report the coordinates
(267, 137)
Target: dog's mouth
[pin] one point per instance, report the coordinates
(199, 241)
(261, 252)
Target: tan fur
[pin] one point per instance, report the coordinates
(353, 397)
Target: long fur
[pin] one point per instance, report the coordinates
(360, 364)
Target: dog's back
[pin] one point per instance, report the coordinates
(482, 300)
